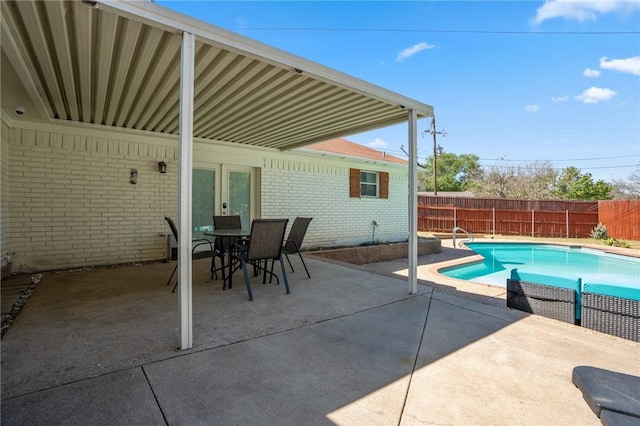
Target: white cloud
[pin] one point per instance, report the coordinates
(593, 95)
(409, 52)
(377, 144)
(629, 65)
(582, 10)
(592, 73)
(532, 108)
(558, 99)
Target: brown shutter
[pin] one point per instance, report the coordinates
(354, 183)
(383, 191)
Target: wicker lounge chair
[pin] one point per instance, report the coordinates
(294, 240)
(264, 245)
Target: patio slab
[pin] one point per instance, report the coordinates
(346, 347)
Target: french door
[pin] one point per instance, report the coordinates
(222, 190)
(238, 193)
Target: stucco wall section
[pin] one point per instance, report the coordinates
(295, 188)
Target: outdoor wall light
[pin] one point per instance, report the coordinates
(162, 166)
(133, 178)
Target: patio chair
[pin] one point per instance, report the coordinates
(225, 244)
(294, 240)
(195, 254)
(264, 245)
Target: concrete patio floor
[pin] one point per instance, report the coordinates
(348, 346)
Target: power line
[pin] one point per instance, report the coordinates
(505, 167)
(566, 159)
(416, 30)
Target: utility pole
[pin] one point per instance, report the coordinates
(435, 132)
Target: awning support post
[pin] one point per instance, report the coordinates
(185, 146)
(413, 202)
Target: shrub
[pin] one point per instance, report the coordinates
(599, 232)
(616, 243)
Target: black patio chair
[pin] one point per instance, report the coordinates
(225, 244)
(195, 254)
(264, 245)
(294, 240)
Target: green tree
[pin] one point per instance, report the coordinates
(574, 185)
(453, 171)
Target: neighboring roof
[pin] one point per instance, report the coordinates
(351, 149)
(118, 64)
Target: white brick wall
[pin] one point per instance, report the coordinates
(67, 201)
(72, 204)
(298, 188)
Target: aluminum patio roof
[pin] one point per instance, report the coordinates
(117, 63)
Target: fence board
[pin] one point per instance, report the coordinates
(621, 217)
(542, 218)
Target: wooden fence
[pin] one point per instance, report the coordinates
(538, 218)
(621, 217)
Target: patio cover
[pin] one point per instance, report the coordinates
(136, 65)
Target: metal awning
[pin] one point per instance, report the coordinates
(117, 63)
(135, 65)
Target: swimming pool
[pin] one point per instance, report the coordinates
(565, 261)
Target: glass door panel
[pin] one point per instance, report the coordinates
(238, 193)
(203, 201)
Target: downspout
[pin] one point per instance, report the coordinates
(185, 147)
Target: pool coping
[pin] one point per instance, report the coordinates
(488, 293)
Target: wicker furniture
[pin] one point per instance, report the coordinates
(541, 299)
(607, 313)
(546, 295)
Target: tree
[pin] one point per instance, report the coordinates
(628, 189)
(453, 171)
(530, 181)
(574, 185)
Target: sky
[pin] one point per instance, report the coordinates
(513, 82)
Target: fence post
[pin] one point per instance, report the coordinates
(533, 221)
(567, 212)
(455, 217)
(494, 221)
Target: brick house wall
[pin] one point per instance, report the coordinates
(67, 201)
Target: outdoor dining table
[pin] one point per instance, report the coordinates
(236, 234)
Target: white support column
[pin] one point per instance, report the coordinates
(185, 187)
(413, 202)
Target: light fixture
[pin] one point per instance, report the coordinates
(162, 166)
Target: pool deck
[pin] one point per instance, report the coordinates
(349, 346)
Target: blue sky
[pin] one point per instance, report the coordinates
(512, 82)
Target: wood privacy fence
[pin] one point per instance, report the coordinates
(621, 217)
(538, 218)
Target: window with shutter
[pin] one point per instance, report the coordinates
(368, 184)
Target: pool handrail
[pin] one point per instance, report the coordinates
(453, 233)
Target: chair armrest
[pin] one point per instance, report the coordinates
(201, 241)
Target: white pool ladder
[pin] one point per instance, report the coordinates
(453, 233)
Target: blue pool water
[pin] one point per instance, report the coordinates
(572, 262)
